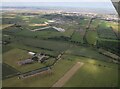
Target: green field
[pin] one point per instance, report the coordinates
(106, 32)
(45, 44)
(83, 23)
(68, 61)
(87, 52)
(6, 48)
(8, 71)
(90, 75)
(41, 81)
(78, 36)
(25, 32)
(91, 37)
(112, 47)
(37, 20)
(93, 75)
(33, 49)
(98, 70)
(13, 56)
(94, 24)
(115, 27)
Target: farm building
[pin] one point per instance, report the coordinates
(41, 57)
(51, 21)
(40, 29)
(31, 53)
(35, 58)
(44, 28)
(27, 61)
(44, 70)
(59, 29)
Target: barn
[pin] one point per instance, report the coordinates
(27, 61)
(43, 70)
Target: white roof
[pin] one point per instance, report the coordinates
(59, 29)
(32, 53)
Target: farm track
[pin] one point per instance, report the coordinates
(68, 75)
(39, 29)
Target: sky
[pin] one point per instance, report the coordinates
(96, 4)
(75, 3)
(56, 0)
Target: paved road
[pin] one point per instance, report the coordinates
(68, 75)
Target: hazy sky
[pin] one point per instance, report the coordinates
(101, 4)
(92, 4)
(56, 0)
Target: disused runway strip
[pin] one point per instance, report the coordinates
(68, 75)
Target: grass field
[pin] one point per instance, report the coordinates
(37, 20)
(94, 76)
(25, 32)
(12, 30)
(46, 44)
(30, 48)
(94, 24)
(97, 69)
(12, 19)
(116, 27)
(41, 81)
(107, 33)
(6, 48)
(87, 52)
(83, 22)
(8, 71)
(13, 56)
(91, 37)
(93, 73)
(112, 47)
(68, 75)
(40, 34)
(78, 36)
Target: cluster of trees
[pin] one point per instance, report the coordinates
(26, 13)
(62, 38)
(62, 17)
(109, 45)
(106, 33)
(15, 20)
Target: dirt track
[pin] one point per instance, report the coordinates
(68, 75)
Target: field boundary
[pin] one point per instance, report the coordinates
(68, 75)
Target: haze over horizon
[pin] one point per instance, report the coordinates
(56, 0)
(103, 5)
